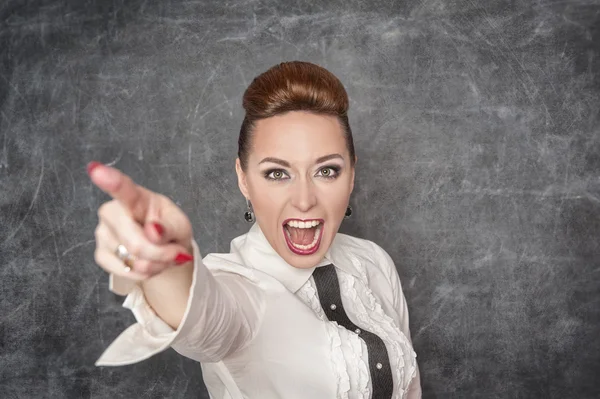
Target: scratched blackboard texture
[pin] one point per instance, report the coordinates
(477, 128)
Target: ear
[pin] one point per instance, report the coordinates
(242, 183)
(353, 174)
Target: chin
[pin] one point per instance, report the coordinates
(305, 262)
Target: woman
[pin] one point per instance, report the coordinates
(296, 309)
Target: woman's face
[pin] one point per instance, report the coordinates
(299, 178)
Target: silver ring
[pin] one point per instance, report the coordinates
(123, 254)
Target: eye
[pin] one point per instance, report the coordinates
(275, 174)
(329, 172)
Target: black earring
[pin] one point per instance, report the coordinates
(249, 214)
(348, 212)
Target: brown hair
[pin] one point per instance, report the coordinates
(293, 86)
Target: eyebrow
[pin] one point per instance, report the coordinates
(287, 164)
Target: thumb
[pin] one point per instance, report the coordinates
(166, 223)
(155, 232)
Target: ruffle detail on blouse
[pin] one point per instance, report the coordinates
(371, 317)
(355, 350)
(345, 352)
(308, 294)
(338, 360)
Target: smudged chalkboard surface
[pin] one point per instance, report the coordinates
(478, 137)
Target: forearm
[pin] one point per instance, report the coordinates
(168, 293)
(202, 315)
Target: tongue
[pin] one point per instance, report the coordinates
(301, 236)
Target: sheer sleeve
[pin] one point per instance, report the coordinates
(223, 314)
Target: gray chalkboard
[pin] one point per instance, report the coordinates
(477, 132)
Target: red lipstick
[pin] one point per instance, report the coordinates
(300, 251)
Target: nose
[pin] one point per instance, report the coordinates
(304, 197)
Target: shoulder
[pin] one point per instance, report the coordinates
(231, 261)
(373, 264)
(228, 263)
(369, 254)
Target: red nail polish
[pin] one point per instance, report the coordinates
(91, 166)
(159, 229)
(183, 258)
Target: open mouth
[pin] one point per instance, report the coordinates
(303, 236)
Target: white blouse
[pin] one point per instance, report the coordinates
(256, 325)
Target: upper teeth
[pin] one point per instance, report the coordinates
(303, 225)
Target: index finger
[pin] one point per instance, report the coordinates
(120, 187)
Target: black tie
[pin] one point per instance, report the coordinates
(328, 288)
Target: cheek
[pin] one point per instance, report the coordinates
(268, 200)
(265, 199)
(336, 198)
(339, 207)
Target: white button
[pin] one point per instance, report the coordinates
(333, 307)
(357, 331)
(379, 366)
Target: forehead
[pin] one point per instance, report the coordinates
(298, 137)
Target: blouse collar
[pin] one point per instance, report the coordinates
(257, 253)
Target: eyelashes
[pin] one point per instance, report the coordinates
(329, 172)
(333, 171)
(275, 174)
